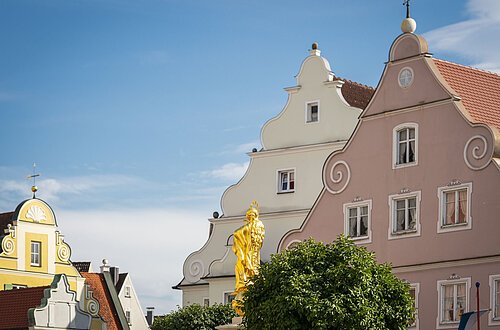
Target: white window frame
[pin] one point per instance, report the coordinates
(411, 80)
(127, 292)
(441, 228)
(440, 287)
(395, 145)
(206, 301)
(358, 205)
(224, 295)
(36, 254)
(494, 286)
(308, 106)
(392, 216)
(128, 317)
(279, 183)
(416, 287)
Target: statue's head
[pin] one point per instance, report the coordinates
(253, 211)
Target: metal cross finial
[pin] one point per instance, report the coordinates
(407, 4)
(34, 188)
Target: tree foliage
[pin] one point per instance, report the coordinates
(332, 286)
(195, 317)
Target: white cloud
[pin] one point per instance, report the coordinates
(150, 244)
(476, 39)
(230, 171)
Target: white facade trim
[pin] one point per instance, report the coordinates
(494, 281)
(395, 145)
(306, 111)
(442, 208)
(392, 215)
(361, 239)
(440, 286)
(278, 180)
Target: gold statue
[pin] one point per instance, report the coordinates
(246, 245)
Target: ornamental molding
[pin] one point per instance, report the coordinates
(36, 214)
(338, 177)
(9, 241)
(476, 154)
(63, 249)
(196, 270)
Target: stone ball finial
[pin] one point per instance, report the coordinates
(408, 25)
(105, 262)
(315, 45)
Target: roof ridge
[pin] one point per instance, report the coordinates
(468, 67)
(354, 82)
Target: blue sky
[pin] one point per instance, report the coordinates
(139, 113)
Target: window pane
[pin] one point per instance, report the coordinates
(400, 220)
(353, 212)
(411, 152)
(402, 153)
(412, 221)
(353, 227)
(363, 226)
(496, 308)
(412, 133)
(364, 210)
(402, 135)
(462, 206)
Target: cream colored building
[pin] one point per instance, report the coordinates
(284, 176)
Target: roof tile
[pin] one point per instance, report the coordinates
(478, 89)
(14, 305)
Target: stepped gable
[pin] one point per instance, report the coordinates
(81, 266)
(14, 306)
(5, 219)
(477, 88)
(357, 95)
(100, 292)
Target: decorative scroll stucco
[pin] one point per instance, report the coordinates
(476, 154)
(9, 241)
(36, 214)
(63, 249)
(337, 177)
(196, 270)
(92, 305)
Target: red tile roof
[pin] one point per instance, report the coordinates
(478, 89)
(357, 95)
(14, 305)
(5, 219)
(100, 292)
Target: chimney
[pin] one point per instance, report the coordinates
(115, 274)
(149, 315)
(104, 266)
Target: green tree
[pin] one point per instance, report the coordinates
(195, 317)
(332, 286)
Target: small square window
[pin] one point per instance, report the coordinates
(35, 253)
(206, 302)
(454, 208)
(127, 316)
(228, 297)
(286, 181)
(357, 220)
(405, 210)
(453, 300)
(405, 145)
(127, 292)
(312, 112)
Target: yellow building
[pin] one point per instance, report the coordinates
(33, 254)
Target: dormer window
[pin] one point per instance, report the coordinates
(312, 112)
(405, 145)
(286, 181)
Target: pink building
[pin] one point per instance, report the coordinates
(418, 183)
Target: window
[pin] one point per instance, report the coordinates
(357, 221)
(35, 253)
(494, 318)
(454, 208)
(286, 181)
(405, 145)
(127, 292)
(228, 297)
(127, 316)
(453, 300)
(312, 112)
(414, 290)
(404, 215)
(405, 78)
(206, 302)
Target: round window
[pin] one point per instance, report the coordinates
(405, 78)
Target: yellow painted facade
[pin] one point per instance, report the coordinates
(33, 251)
